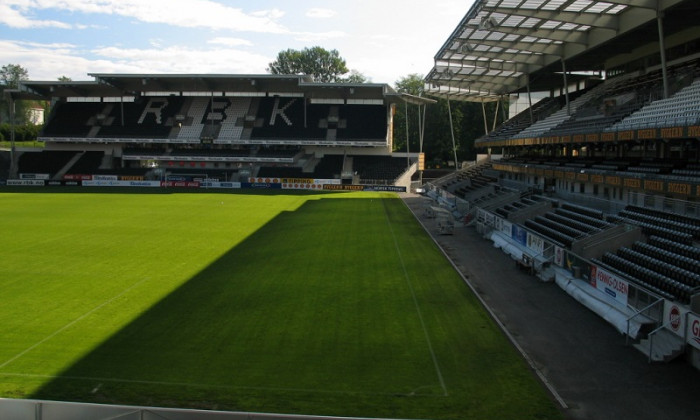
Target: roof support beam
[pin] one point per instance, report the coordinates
(646, 4)
(589, 19)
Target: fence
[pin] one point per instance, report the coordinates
(11, 409)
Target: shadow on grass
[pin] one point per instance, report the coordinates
(279, 323)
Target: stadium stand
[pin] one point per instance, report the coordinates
(277, 126)
(378, 168)
(611, 153)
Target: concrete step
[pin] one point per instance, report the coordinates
(665, 346)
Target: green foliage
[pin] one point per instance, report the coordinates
(412, 84)
(322, 65)
(10, 77)
(12, 74)
(356, 77)
(326, 304)
(23, 132)
(467, 120)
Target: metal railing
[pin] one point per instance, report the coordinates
(644, 312)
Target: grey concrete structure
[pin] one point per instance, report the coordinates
(585, 363)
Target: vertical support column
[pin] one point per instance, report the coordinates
(566, 87)
(662, 51)
(452, 132)
(408, 151)
(13, 149)
(495, 115)
(421, 134)
(529, 100)
(483, 112)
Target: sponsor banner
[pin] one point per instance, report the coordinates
(535, 243)
(217, 184)
(131, 177)
(179, 184)
(609, 284)
(64, 183)
(497, 223)
(296, 180)
(105, 177)
(519, 235)
(694, 330)
(507, 228)
(80, 177)
(559, 256)
(26, 182)
(341, 187)
(270, 180)
(296, 186)
(389, 188)
(489, 219)
(674, 317)
(34, 176)
(261, 185)
(92, 183)
(275, 180)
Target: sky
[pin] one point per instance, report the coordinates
(385, 40)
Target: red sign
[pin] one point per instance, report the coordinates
(180, 184)
(76, 177)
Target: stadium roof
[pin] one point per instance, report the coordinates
(501, 45)
(116, 85)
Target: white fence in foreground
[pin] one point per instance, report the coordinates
(11, 409)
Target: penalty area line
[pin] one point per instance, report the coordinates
(415, 302)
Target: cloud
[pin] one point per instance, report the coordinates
(179, 59)
(51, 60)
(318, 13)
(318, 36)
(182, 13)
(230, 42)
(13, 18)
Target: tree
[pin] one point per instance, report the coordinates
(356, 77)
(412, 85)
(10, 77)
(12, 74)
(467, 120)
(65, 79)
(322, 65)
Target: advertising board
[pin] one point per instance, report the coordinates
(693, 330)
(610, 284)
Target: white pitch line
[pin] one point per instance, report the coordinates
(217, 386)
(415, 303)
(70, 324)
(493, 316)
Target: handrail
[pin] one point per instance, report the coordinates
(651, 338)
(627, 336)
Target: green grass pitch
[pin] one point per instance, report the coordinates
(326, 304)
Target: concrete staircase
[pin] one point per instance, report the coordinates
(67, 166)
(661, 346)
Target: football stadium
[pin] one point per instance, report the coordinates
(252, 246)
